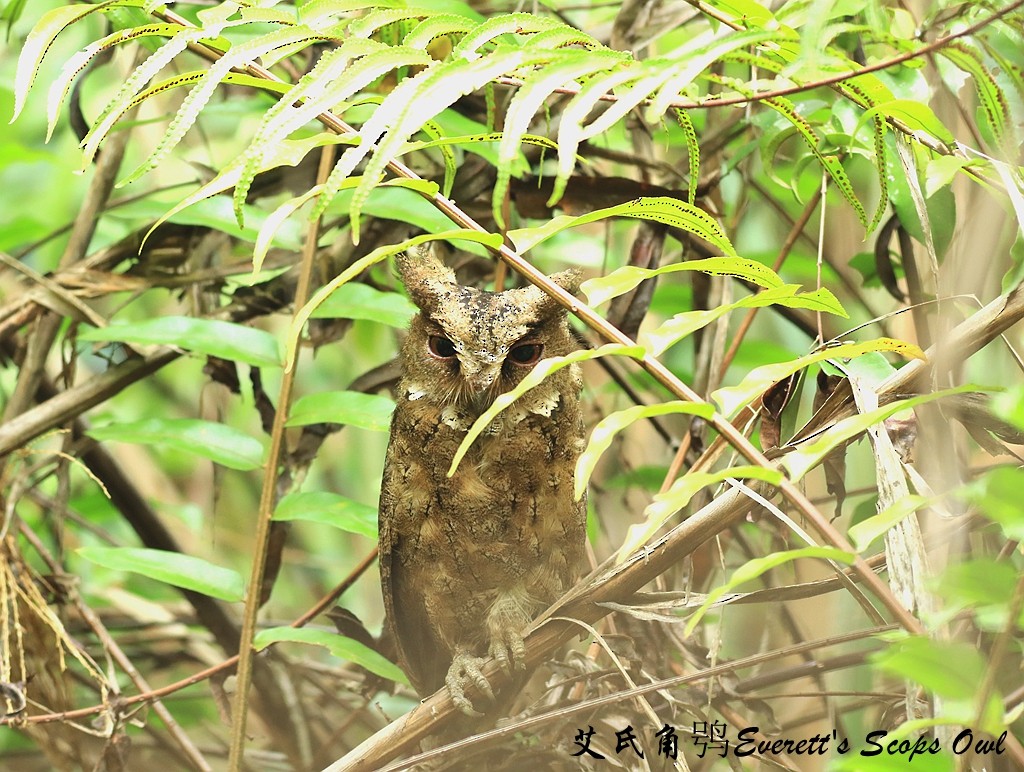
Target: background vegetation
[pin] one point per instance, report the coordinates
(804, 487)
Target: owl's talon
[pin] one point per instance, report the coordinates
(465, 670)
(510, 652)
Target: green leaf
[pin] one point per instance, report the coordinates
(209, 337)
(186, 571)
(541, 370)
(993, 101)
(939, 172)
(287, 153)
(351, 408)
(361, 301)
(603, 434)
(808, 454)
(732, 398)
(571, 65)
(668, 211)
(755, 568)
(413, 102)
(678, 496)
(217, 442)
(124, 97)
(202, 92)
(684, 324)
(929, 663)
(492, 240)
(329, 509)
(338, 645)
(998, 496)
(863, 533)
(76, 65)
(1009, 405)
(39, 40)
(917, 116)
(624, 279)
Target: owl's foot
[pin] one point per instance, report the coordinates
(509, 650)
(465, 670)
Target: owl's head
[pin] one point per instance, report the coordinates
(468, 345)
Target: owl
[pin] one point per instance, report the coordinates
(468, 561)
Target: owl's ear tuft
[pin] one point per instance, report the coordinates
(568, 280)
(542, 304)
(428, 280)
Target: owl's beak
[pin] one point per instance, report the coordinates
(480, 375)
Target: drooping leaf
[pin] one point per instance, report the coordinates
(625, 279)
(603, 434)
(361, 301)
(339, 646)
(866, 531)
(758, 566)
(222, 444)
(569, 67)
(76, 64)
(186, 571)
(731, 398)
(329, 509)
(352, 408)
(41, 38)
(668, 211)
(806, 455)
(684, 324)
(124, 97)
(200, 94)
(541, 370)
(678, 496)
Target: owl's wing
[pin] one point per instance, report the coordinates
(420, 653)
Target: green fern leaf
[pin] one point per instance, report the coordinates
(524, 106)
(429, 30)
(570, 127)
(76, 64)
(41, 38)
(692, 152)
(604, 288)
(695, 62)
(197, 98)
(287, 153)
(668, 211)
(141, 75)
(403, 113)
(321, 89)
(829, 163)
(993, 101)
(317, 13)
(376, 19)
(468, 47)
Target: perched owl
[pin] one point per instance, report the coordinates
(466, 562)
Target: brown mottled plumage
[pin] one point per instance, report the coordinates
(468, 561)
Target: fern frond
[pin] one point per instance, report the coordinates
(413, 102)
(428, 30)
(40, 40)
(321, 89)
(560, 71)
(468, 47)
(119, 103)
(201, 93)
(993, 101)
(692, 152)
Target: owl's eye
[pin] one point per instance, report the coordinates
(440, 347)
(526, 353)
